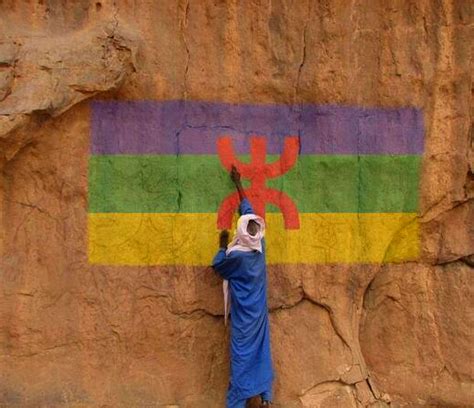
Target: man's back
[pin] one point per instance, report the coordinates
(242, 264)
(248, 290)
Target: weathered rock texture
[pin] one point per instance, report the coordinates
(78, 335)
(43, 76)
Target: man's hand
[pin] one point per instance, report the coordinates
(223, 239)
(235, 175)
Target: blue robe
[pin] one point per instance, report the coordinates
(251, 362)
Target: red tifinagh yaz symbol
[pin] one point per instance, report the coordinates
(257, 171)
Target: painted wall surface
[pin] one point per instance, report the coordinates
(351, 124)
(342, 182)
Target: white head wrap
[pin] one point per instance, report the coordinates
(243, 241)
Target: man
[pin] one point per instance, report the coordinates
(242, 263)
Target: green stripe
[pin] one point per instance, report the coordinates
(198, 183)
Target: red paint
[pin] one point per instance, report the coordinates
(257, 171)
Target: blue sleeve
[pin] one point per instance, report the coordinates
(226, 265)
(245, 207)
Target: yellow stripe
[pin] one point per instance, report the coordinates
(192, 239)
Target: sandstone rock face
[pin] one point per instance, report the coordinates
(426, 301)
(74, 334)
(44, 75)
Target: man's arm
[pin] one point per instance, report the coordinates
(245, 206)
(226, 265)
(223, 239)
(235, 177)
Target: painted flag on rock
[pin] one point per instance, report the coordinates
(336, 184)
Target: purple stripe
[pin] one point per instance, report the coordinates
(191, 127)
